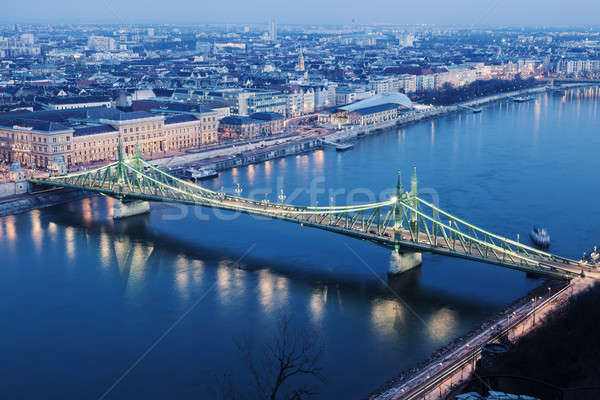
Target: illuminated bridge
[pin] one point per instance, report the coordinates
(405, 222)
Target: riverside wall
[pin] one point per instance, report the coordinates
(24, 202)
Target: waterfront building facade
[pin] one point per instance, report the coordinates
(94, 137)
(239, 127)
(373, 115)
(34, 143)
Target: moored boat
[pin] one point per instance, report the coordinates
(521, 99)
(344, 146)
(200, 174)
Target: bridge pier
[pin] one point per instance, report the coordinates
(402, 262)
(126, 209)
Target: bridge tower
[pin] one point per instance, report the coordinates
(398, 211)
(138, 155)
(402, 260)
(414, 192)
(124, 208)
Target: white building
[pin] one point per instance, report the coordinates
(300, 101)
(324, 95)
(407, 83)
(273, 31)
(425, 82)
(27, 39)
(388, 84)
(101, 43)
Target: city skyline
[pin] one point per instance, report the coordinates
(460, 13)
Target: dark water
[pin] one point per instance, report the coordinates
(150, 307)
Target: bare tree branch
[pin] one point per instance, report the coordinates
(277, 367)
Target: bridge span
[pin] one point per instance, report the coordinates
(405, 222)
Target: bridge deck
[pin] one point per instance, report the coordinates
(399, 223)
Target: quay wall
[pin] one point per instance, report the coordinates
(24, 202)
(13, 188)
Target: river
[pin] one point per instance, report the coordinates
(153, 306)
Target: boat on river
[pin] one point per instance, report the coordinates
(540, 237)
(344, 146)
(522, 99)
(200, 174)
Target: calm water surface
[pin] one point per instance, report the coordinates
(83, 297)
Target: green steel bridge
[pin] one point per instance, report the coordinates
(405, 222)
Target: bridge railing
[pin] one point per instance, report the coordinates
(494, 239)
(428, 229)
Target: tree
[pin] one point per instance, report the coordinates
(283, 367)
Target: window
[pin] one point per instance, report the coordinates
(53, 140)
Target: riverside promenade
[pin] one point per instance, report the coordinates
(450, 369)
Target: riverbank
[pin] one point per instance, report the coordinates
(455, 362)
(416, 116)
(224, 158)
(251, 152)
(568, 334)
(237, 155)
(25, 202)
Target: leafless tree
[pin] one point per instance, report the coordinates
(282, 368)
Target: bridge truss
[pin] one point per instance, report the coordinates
(405, 222)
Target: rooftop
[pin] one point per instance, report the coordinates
(400, 99)
(237, 120)
(73, 99)
(375, 109)
(176, 119)
(92, 130)
(112, 114)
(266, 116)
(36, 125)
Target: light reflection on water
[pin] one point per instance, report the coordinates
(11, 235)
(318, 299)
(105, 249)
(441, 324)
(387, 317)
(37, 233)
(70, 242)
(114, 287)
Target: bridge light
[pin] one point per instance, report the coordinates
(394, 199)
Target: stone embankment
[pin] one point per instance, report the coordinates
(30, 201)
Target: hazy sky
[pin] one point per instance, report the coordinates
(461, 12)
